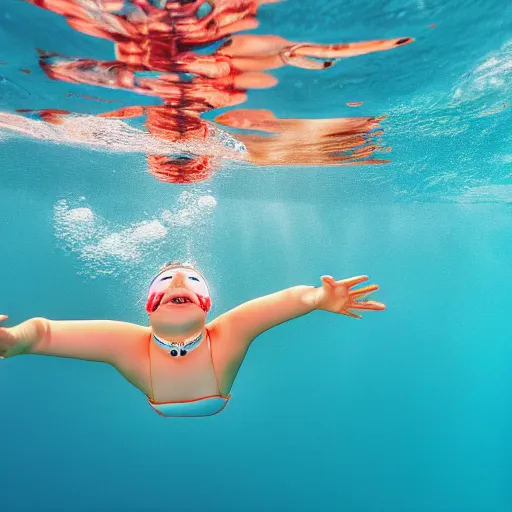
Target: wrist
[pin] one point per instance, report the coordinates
(27, 335)
(309, 296)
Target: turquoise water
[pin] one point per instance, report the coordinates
(406, 410)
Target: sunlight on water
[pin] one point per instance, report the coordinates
(486, 194)
(482, 91)
(494, 74)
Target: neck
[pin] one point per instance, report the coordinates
(180, 341)
(179, 349)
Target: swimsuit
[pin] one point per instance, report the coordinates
(204, 406)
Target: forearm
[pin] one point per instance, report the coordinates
(258, 315)
(296, 301)
(284, 305)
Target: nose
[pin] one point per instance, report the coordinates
(178, 281)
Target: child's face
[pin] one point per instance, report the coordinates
(178, 301)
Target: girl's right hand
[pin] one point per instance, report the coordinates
(7, 339)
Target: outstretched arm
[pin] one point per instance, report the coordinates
(252, 318)
(94, 340)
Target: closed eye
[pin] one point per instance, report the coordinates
(164, 278)
(193, 278)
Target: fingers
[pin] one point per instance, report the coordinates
(356, 298)
(353, 281)
(374, 306)
(3, 318)
(352, 315)
(368, 304)
(363, 291)
(328, 280)
(345, 50)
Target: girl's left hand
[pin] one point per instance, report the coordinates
(337, 296)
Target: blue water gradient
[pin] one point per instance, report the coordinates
(404, 411)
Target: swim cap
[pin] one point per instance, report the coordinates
(196, 283)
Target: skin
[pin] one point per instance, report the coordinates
(342, 141)
(155, 38)
(157, 41)
(125, 345)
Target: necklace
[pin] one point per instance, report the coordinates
(179, 348)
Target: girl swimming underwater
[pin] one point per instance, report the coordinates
(184, 366)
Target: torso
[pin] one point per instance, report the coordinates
(181, 378)
(205, 371)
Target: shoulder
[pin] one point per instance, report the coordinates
(128, 337)
(133, 334)
(227, 340)
(228, 353)
(225, 330)
(222, 334)
(133, 342)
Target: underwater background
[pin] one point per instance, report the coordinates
(405, 410)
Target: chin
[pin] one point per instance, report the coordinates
(178, 319)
